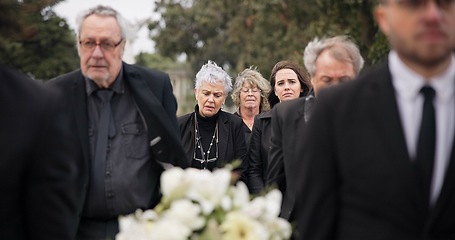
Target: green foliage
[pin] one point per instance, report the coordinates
(158, 62)
(240, 33)
(37, 41)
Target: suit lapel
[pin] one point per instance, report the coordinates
(155, 115)
(79, 103)
(223, 133)
(299, 118)
(447, 190)
(384, 112)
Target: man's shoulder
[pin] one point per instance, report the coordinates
(18, 85)
(286, 106)
(152, 74)
(66, 78)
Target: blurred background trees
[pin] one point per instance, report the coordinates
(234, 33)
(239, 33)
(34, 40)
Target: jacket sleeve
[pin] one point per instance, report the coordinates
(51, 203)
(240, 150)
(256, 165)
(275, 175)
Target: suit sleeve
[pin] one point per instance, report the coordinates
(241, 150)
(275, 174)
(51, 182)
(256, 166)
(170, 103)
(317, 191)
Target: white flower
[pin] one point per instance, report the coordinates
(273, 203)
(279, 229)
(203, 205)
(174, 183)
(133, 228)
(208, 188)
(187, 213)
(169, 229)
(238, 226)
(255, 208)
(241, 196)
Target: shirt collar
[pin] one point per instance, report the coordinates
(118, 86)
(408, 83)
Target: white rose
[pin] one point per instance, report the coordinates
(173, 184)
(279, 229)
(238, 226)
(169, 229)
(187, 213)
(273, 203)
(208, 188)
(133, 228)
(241, 195)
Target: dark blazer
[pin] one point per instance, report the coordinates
(288, 127)
(37, 176)
(356, 179)
(231, 140)
(246, 130)
(258, 152)
(152, 93)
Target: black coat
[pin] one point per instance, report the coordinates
(258, 152)
(38, 176)
(288, 128)
(356, 178)
(153, 95)
(231, 140)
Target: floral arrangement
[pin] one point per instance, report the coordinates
(202, 205)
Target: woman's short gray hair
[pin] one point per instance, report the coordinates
(338, 46)
(212, 73)
(254, 78)
(104, 11)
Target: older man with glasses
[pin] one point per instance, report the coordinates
(124, 122)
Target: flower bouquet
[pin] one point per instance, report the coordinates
(202, 205)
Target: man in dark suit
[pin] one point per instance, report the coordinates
(379, 157)
(329, 61)
(125, 120)
(37, 177)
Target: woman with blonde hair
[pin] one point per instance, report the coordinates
(250, 94)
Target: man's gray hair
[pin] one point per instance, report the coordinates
(340, 47)
(108, 12)
(212, 73)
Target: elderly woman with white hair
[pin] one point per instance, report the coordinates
(211, 137)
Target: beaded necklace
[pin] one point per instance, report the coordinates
(204, 160)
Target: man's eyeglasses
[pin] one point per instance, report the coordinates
(418, 4)
(246, 90)
(108, 46)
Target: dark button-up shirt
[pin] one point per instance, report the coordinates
(128, 174)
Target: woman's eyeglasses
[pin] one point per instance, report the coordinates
(246, 90)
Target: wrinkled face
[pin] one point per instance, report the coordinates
(250, 96)
(287, 85)
(101, 64)
(421, 31)
(330, 71)
(209, 98)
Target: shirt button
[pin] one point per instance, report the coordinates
(110, 195)
(108, 173)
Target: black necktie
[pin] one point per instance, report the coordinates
(101, 147)
(426, 141)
